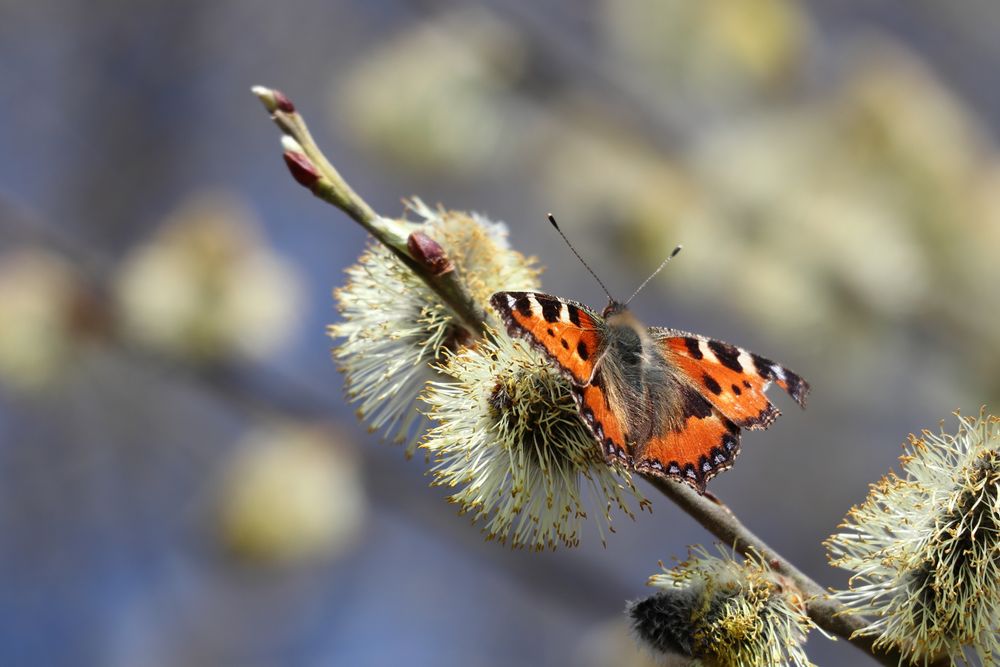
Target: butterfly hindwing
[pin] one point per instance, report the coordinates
(702, 444)
(732, 379)
(599, 416)
(567, 332)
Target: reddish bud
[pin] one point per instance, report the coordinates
(302, 169)
(89, 314)
(429, 253)
(282, 102)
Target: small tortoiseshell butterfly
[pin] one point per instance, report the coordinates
(659, 400)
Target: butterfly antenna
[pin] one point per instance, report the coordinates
(644, 282)
(552, 219)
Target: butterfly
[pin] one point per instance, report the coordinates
(660, 401)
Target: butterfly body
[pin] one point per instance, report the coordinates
(634, 375)
(659, 401)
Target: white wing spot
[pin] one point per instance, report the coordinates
(746, 361)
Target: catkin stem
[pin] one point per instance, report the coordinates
(324, 181)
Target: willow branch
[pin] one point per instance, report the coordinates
(421, 254)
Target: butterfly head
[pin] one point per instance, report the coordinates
(614, 308)
(621, 320)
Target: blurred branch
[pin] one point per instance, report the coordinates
(556, 52)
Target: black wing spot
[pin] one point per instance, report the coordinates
(727, 355)
(694, 404)
(694, 349)
(597, 381)
(574, 314)
(746, 384)
(712, 384)
(581, 349)
(523, 306)
(564, 343)
(797, 387)
(737, 390)
(550, 332)
(550, 310)
(765, 367)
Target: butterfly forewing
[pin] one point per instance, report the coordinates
(730, 378)
(569, 333)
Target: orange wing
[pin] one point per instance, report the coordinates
(732, 379)
(595, 408)
(703, 444)
(567, 332)
(572, 336)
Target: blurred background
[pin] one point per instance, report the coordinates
(181, 479)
